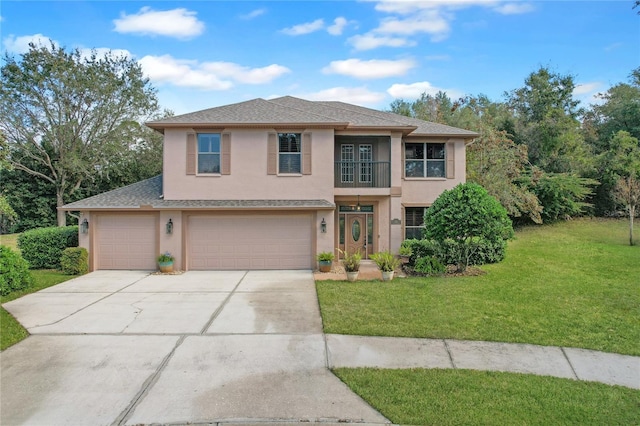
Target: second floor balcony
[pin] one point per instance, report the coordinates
(362, 174)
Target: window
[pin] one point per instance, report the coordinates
(424, 160)
(414, 222)
(289, 153)
(346, 163)
(209, 153)
(366, 155)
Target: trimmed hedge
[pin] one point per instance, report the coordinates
(14, 271)
(75, 261)
(43, 247)
(445, 252)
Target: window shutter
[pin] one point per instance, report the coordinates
(451, 171)
(191, 154)
(306, 153)
(272, 154)
(225, 154)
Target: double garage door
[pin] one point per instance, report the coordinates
(274, 241)
(249, 242)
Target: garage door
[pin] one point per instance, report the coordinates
(126, 242)
(250, 242)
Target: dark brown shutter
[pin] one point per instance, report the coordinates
(191, 154)
(225, 154)
(272, 154)
(306, 153)
(451, 171)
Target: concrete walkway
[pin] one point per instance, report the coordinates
(130, 348)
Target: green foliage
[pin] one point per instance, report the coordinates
(165, 258)
(45, 94)
(563, 195)
(447, 252)
(43, 247)
(385, 261)
(429, 266)
(14, 271)
(465, 216)
(325, 256)
(75, 261)
(351, 261)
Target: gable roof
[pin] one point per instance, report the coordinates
(291, 111)
(147, 195)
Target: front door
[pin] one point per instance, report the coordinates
(356, 234)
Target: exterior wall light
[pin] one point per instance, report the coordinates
(323, 226)
(170, 227)
(84, 226)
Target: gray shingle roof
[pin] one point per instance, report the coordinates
(291, 110)
(148, 194)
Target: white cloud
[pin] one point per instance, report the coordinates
(253, 14)
(375, 68)
(414, 90)
(514, 8)
(180, 23)
(409, 7)
(338, 26)
(101, 52)
(430, 22)
(583, 88)
(206, 75)
(352, 95)
(245, 74)
(305, 28)
(587, 93)
(371, 41)
(19, 45)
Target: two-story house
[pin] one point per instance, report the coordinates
(268, 184)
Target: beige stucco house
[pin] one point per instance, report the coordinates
(268, 184)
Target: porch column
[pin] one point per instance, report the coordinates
(395, 205)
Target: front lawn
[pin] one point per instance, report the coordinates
(457, 397)
(569, 284)
(11, 332)
(10, 240)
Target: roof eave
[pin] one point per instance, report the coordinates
(207, 125)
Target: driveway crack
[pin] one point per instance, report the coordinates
(222, 305)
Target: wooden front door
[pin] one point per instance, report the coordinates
(356, 234)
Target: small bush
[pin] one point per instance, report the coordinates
(446, 251)
(14, 271)
(429, 266)
(43, 247)
(75, 261)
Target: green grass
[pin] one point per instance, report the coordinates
(11, 332)
(10, 240)
(572, 284)
(464, 397)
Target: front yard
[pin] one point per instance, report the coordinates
(570, 284)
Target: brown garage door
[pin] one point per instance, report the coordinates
(126, 242)
(250, 242)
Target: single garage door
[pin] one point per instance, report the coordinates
(250, 242)
(126, 242)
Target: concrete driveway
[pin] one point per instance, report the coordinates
(127, 347)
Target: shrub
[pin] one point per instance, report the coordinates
(14, 271)
(75, 261)
(385, 261)
(446, 251)
(462, 219)
(43, 247)
(429, 266)
(351, 261)
(563, 195)
(325, 256)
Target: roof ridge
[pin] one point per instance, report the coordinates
(300, 110)
(369, 109)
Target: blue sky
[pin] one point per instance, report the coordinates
(203, 54)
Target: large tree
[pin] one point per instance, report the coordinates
(66, 116)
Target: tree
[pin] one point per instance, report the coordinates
(466, 216)
(7, 213)
(627, 192)
(66, 116)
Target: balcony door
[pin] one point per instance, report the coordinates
(352, 171)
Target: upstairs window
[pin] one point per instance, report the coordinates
(289, 153)
(209, 153)
(425, 160)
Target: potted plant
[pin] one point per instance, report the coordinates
(351, 263)
(325, 260)
(165, 262)
(387, 263)
(405, 253)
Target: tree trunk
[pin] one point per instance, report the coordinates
(632, 213)
(62, 215)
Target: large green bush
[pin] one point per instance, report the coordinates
(445, 251)
(43, 247)
(14, 271)
(75, 261)
(465, 218)
(563, 195)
